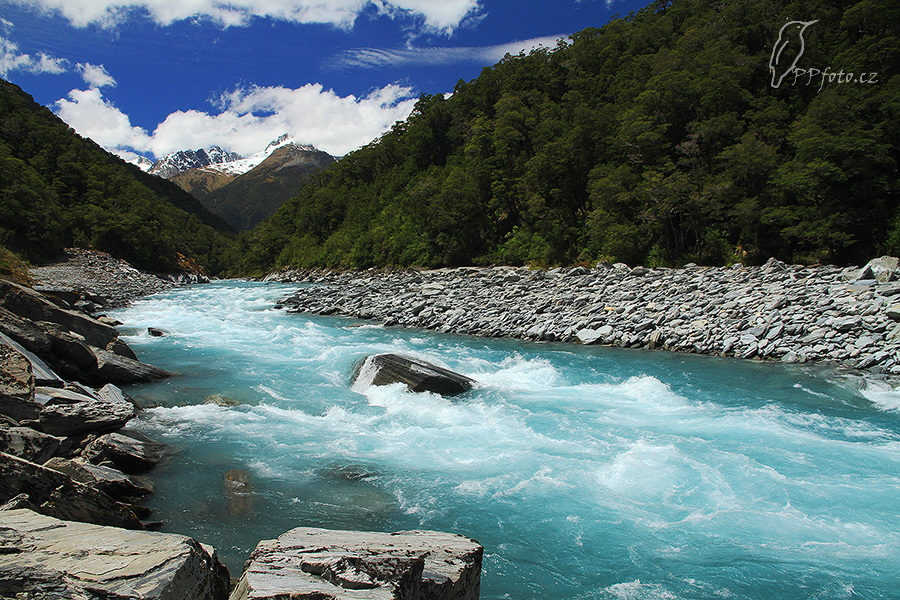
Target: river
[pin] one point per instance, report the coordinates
(586, 472)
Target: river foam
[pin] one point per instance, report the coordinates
(586, 472)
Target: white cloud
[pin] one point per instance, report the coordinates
(486, 55)
(248, 120)
(11, 59)
(95, 76)
(437, 15)
(91, 115)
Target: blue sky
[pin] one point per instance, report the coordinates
(150, 77)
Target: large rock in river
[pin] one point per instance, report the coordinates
(308, 563)
(418, 375)
(48, 558)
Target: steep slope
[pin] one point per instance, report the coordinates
(656, 139)
(58, 189)
(255, 195)
(201, 181)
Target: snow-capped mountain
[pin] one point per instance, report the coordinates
(245, 165)
(175, 163)
(142, 163)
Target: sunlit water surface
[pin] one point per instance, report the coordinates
(585, 472)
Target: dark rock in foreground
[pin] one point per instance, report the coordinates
(55, 494)
(48, 558)
(418, 375)
(309, 563)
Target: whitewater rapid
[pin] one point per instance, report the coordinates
(585, 472)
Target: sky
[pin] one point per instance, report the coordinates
(151, 77)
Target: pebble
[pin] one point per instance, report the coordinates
(791, 313)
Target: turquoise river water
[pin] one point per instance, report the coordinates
(586, 472)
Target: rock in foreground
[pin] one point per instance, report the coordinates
(308, 563)
(44, 557)
(418, 375)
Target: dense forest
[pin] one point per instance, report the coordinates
(58, 189)
(656, 139)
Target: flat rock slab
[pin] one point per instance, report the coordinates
(308, 563)
(44, 557)
(418, 375)
(66, 416)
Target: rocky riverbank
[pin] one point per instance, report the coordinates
(72, 474)
(791, 313)
(99, 280)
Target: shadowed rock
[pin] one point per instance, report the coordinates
(130, 451)
(54, 494)
(418, 375)
(112, 482)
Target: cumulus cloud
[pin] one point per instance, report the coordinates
(91, 115)
(12, 59)
(436, 15)
(248, 119)
(95, 76)
(406, 57)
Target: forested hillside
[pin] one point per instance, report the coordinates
(656, 139)
(58, 189)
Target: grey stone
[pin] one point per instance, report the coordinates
(112, 482)
(32, 305)
(846, 324)
(115, 368)
(68, 416)
(47, 558)
(130, 451)
(55, 494)
(589, 336)
(26, 443)
(308, 563)
(16, 386)
(417, 375)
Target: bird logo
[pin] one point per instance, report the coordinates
(788, 48)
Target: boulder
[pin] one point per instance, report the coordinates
(56, 495)
(68, 346)
(25, 332)
(111, 482)
(45, 557)
(25, 442)
(69, 413)
(588, 336)
(309, 563)
(130, 451)
(418, 375)
(32, 305)
(43, 374)
(116, 368)
(16, 386)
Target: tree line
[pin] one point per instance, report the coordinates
(656, 139)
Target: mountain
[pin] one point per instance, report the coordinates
(143, 163)
(246, 191)
(172, 164)
(58, 189)
(656, 139)
(255, 195)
